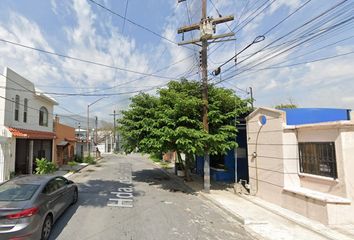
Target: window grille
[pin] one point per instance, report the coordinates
(318, 158)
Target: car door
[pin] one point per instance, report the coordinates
(53, 197)
(65, 189)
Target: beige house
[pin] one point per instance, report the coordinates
(304, 166)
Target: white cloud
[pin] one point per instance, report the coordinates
(28, 63)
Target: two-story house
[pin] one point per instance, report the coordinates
(26, 120)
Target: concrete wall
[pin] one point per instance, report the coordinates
(266, 169)
(324, 184)
(275, 169)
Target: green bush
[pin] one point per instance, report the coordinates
(44, 166)
(156, 157)
(89, 160)
(78, 159)
(72, 163)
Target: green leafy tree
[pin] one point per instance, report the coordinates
(172, 121)
(282, 106)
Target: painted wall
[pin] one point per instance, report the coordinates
(35, 101)
(63, 133)
(274, 166)
(265, 155)
(10, 86)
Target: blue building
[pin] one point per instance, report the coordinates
(224, 167)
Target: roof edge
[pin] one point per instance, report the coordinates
(252, 114)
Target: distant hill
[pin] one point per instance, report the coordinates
(74, 120)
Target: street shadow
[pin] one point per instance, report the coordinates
(63, 220)
(96, 193)
(172, 183)
(155, 177)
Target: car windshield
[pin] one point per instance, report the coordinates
(17, 192)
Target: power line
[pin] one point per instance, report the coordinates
(292, 31)
(82, 60)
(136, 24)
(125, 14)
(80, 94)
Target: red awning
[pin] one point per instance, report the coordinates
(31, 134)
(70, 139)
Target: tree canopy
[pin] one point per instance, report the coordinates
(283, 106)
(172, 120)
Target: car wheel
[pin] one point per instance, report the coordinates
(47, 227)
(75, 197)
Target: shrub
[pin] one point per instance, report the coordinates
(156, 157)
(44, 166)
(72, 163)
(78, 159)
(89, 160)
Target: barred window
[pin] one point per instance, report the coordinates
(318, 158)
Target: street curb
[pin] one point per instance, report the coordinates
(238, 218)
(69, 174)
(242, 221)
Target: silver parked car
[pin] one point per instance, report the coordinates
(29, 205)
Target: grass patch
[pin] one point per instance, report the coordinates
(89, 160)
(165, 165)
(155, 157)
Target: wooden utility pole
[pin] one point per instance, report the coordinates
(251, 93)
(207, 27)
(114, 129)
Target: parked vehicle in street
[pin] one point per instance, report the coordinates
(30, 204)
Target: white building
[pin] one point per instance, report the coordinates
(302, 160)
(26, 125)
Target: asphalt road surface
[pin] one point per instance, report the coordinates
(127, 197)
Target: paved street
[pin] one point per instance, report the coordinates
(158, 208)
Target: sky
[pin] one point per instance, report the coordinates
(305, 58)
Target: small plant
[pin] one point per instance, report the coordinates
(155, 157)
(72, 163)
(89, 160)
(78, 159)
(44, 166)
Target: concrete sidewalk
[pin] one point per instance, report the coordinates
(67, 170)
(264, 220)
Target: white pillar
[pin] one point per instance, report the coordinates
(30, 157)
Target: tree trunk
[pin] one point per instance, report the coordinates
(178, 162)
(188, 162)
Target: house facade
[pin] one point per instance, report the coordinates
(27, 132)
(65, 143)
(302, 160)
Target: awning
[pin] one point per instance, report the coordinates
(70, 139)
(31, 134)
(63, 144)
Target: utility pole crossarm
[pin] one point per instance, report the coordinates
(222, 19)
(188, 28)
